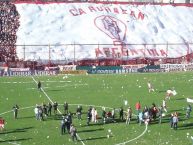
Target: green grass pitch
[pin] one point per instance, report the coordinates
(96, 90)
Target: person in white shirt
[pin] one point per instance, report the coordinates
(150, 87)
(164, 105)
(36, 111)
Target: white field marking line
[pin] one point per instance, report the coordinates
(19, 109)
(73, 85)
(58, 109)
(61, 86)
(57, 81)
(32, 82)
(123, 143)
(16, 82)
(10, 142)
(88, 106)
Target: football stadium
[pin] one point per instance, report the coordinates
(96, 72)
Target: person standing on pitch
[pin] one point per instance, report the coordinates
(188, 111)
(39, 85)
(79, 112)
(49, 109)
(164, 105)
(73, 132)
(63, 125)
(150, 87)
(121, 114)
(2, 124)
(89, 115)
(128, 115)
(160, 112)
(137, 108)
(55, 106)
(65, 108)
(175, 121)
(15, 111)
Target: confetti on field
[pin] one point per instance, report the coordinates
(109, 130)
(125, 102)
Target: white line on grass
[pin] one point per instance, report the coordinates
(123, 143)
(61, 86)
(19, 109)
(58, 109)
(16, 82)
(33, 82)
(57, 81)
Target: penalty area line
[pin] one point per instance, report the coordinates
(53, 102)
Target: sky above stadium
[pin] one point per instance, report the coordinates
(106, 29)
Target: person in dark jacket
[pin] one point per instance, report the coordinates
(15, 111)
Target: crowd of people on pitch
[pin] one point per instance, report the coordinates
(45, 110)
(144, 115)
(9, 24)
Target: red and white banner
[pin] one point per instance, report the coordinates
(64, 24)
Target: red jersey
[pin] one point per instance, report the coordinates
(2, 121)
(138, 106)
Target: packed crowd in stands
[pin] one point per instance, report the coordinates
(9, 24)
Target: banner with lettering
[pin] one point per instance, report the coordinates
(74, 31)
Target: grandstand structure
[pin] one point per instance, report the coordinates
(9, 24)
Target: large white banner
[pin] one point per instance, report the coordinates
(95, 24)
